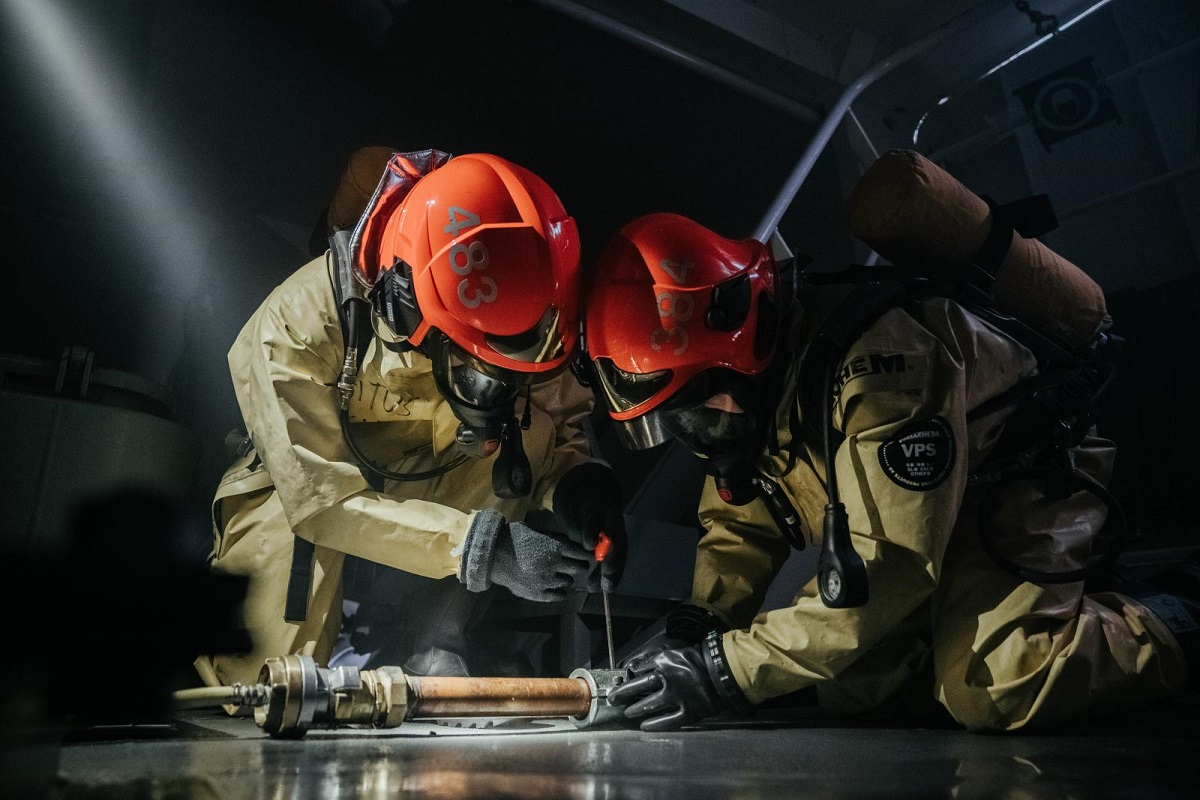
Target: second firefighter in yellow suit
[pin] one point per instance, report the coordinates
(704, 350)
(462, 374)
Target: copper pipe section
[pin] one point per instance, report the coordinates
(301, 696)
(431, 697)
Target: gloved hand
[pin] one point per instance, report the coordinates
(679, 686)
(528, 562)
(686, 624)
(588, 502)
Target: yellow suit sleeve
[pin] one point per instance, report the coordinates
(738, 556)
(284, 366)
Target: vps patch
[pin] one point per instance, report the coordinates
(920, 455)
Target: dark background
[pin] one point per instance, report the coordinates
(165, 162)
(155, 199)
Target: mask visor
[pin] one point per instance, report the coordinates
(625, 390)
(483, 402)
(539, 344)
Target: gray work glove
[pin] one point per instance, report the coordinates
(529, 563)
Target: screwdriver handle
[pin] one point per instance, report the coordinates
(602, 546)
(601, 552)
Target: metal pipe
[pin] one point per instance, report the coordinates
(707, 68)
(873, 258)
(294, 695)
(791, 186)
(433, 697)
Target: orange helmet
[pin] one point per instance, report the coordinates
(474, 261)
(480, 250)
(675, 315)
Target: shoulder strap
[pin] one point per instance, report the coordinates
(295, 607)
(828, 348)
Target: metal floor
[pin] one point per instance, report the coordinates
(1147, 753)
(1154, 753)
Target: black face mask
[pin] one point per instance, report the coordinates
(485, 406)
(728, 443)
(710, 432)
(482, 417)
(482, 403)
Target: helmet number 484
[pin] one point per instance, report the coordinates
(465, 259)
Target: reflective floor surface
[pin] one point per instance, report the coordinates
(1152, 754)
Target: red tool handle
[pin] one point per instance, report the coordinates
(602, 547)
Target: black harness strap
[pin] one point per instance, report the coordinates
(299, 580)
(1030, 217)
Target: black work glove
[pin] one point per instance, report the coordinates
(529, 563)
(588, 502)
(679, 686)
(686, 624)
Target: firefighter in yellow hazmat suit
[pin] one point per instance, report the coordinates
(407, 401)
(697, 337)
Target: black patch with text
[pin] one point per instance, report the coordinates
(920, 456)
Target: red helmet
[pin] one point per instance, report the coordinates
(482, 251)
(673, 310)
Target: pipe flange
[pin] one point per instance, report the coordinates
(296, 692)
(599, 683)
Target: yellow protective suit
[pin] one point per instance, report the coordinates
(302, 480)
(1003, 653)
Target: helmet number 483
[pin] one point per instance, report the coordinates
(465, 259)
(678, 308)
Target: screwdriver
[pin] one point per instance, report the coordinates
(601, 553)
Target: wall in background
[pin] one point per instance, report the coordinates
(166, 161)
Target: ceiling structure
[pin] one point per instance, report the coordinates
(927, 76)
(1094, 103)
(798, 54)
(219, 126)
(942, 77)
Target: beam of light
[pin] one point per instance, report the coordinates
(120, 154)
(920, 122)
(89, 91)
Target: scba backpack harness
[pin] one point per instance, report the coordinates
(944, 241)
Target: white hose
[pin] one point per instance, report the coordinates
(207, 696)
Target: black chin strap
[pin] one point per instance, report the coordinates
(512, 476)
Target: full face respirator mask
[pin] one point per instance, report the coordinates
(485, 405)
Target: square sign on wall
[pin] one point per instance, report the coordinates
(1067, 102)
